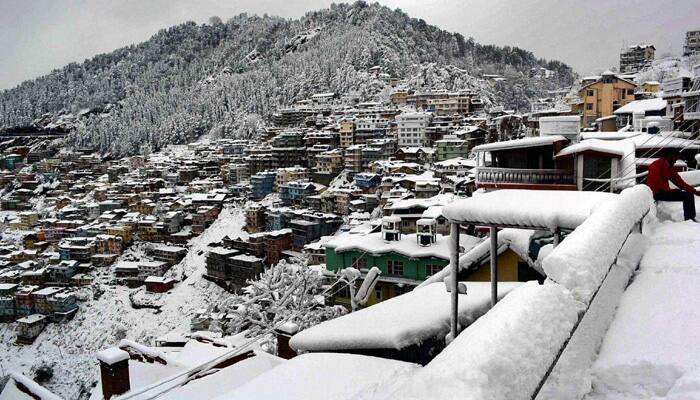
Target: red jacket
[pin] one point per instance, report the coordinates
(660, 172)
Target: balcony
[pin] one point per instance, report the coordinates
(512, 178)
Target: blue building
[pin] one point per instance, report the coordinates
(277, 219)
(367, 181)
(262, 183)
(295, 191)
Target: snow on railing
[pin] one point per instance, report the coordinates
(513, 350)
(582, 260)
(595, 263)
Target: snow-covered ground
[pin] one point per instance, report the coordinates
(652, 348)
(70, 348)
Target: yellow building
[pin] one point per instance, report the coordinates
(347, 133)
(329, 162)
(123, 231)
(399, 97)
(602, 97)
(651, 87)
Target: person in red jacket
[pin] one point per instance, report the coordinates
(661, 172)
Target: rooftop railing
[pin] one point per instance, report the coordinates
(494, 176)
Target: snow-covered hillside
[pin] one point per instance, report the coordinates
(69, 349)
(669, 68)
(190, 79)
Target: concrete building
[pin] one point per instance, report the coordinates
(692, 43)
(412, 129)
(636, 58)
(601, 97)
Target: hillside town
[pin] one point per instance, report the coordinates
(357, 246)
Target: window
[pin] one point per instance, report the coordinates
(378, 293)
(589, 106)
(432, 269)
(630, 92)
(394, 267)
(359, 262)
(589, 93)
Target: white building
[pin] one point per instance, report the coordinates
(412, 129)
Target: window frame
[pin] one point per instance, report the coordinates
(393, 265)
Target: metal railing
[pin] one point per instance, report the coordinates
(490, 175)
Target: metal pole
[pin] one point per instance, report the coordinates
(557, 237)
(494, 265)
(454, 265)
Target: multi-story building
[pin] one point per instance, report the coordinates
(41, 300)
(262, 183)
(171, 255)
(450, 146)
(347, 133)
(290, 174)
(275, 243)
(231, 267)
(605, 95)
(691, 98)
(255, 218)
(152, 268)
(412, 129)
(371, 127)
(673, 90)
(288, 156)
(29, 327)
(63, 271)
(313, 151)
(293, 193)
(328, 165)
(692, 43)
(288, 139)
(24, 300)
(78, 248)
(399, 97)
(636, 58)
(353, 157)
(236, 173)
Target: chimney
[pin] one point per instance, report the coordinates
(426, 231)
(114, 372)
(285, 332)
(391, 228)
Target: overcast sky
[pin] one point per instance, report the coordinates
(37, 36)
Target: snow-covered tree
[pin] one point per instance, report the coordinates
(287, 292)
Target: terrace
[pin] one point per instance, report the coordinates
(524, 164)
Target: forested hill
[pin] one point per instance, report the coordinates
(228, 77)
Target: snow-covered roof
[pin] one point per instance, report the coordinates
(399, 322)
(225, 380)
(609, 135)
(438, 200)
(518, 240)
(642, 106)
(623, 149)
(374, 243)
(33, 318)
(11, 391)
(546, 209)
(617, 148)
(457, 161)
(654, 141)
(317, 376)
(503, 355)
(521, 143)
